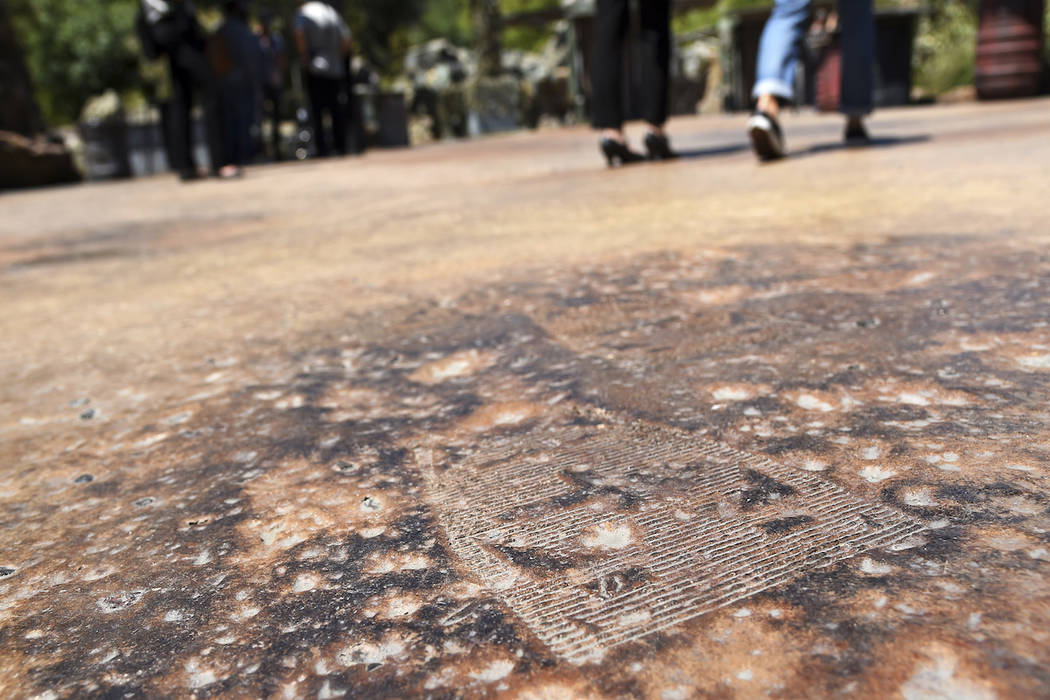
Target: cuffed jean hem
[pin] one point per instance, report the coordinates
(775, 87)
(780, 89)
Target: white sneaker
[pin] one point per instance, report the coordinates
(766, 138)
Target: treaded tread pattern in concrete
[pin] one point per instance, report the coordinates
(639, 533)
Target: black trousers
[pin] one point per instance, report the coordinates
(184, 85)
(191, 78)
(236, 106)
(326, 95)
(610, 34)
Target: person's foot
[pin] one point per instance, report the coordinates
(228, 172)
(618, 153)
(767, 140)
(193, 174)
(856, 134)
(658, 146)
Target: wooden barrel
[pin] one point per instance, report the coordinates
(1009, 48)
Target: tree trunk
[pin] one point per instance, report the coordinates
(19, 111)
(488, 36)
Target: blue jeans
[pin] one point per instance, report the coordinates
(781, 44)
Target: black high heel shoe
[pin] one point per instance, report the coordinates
(659, 147)
(617, 153)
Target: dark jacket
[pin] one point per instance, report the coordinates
(165, 27)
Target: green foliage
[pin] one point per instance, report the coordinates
(378, 29)
(696, 20)
(526, 38)
(75, 49)
(449, 19)
(945, 47)
(706, 18)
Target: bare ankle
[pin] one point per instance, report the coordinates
(769, 105)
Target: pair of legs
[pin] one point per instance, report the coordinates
(611, 27)
(326, 95)
(781, 44)
(236, 103)
(191, 77)
(187, 82)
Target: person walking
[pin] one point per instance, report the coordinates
(607, 78)
(778, 54)
(169, 28)
(323, 40)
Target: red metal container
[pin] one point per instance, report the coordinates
(1009, 48)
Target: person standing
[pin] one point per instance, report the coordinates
(274, 65)
(236, 62)
(778, 54)
(169, 28)
(323, 40)
(607, 78)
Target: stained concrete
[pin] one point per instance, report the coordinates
(486, 419)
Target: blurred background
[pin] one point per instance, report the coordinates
(81, 99)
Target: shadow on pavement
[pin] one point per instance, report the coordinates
(877, 142)
(713, 151)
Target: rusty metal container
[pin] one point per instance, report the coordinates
(828, 82)
(1009, 48)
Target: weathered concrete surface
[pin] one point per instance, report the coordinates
(486, 419)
